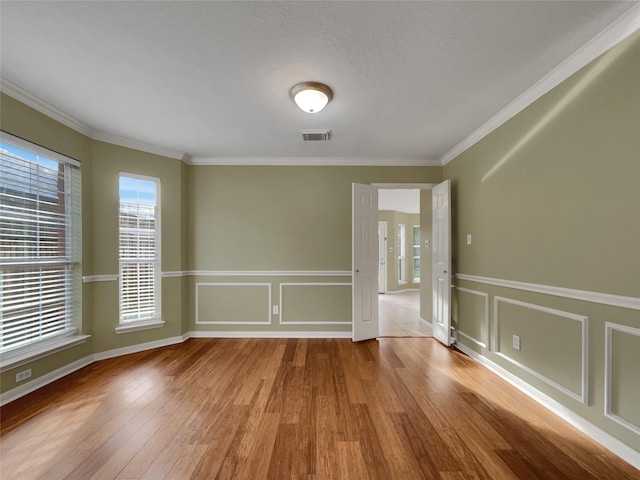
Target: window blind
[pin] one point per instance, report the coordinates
(36, 246)
(139, 255)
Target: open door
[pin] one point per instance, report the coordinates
(441, 220)
(382, 257)
(364, 262)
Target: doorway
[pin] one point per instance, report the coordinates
(400, 232)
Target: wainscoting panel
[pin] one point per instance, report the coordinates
(622, 377)
(233, 303)
(553, 344)
(315, 303)
(473, 316)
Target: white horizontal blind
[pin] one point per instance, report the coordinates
(36, 246)
(139, 250)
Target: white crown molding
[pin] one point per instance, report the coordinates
(603, 438)
(595, 297)
(31, 101)
(317, 161)
(609, 37)
(52, 112)
(136, 145)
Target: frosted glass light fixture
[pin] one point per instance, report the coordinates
(311, 97)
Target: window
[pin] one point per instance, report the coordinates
(139, 275)
(416, 254)
(40, 250)
(402, 275)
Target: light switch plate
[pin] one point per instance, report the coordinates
(469, 239)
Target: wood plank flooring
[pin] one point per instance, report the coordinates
(397, 408)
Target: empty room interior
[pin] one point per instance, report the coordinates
(209, 268)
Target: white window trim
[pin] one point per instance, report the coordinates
(402, 254)
(156, 321)
(137, 326)
(22, 355)
(29, 353)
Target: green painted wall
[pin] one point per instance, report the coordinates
(109, 160)
(279, 218)
(393, 219)
(426, 293)
(101, 163)
(551, 198)
(24, 122)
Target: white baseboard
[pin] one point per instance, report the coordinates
(611, 443)
(404, 290)
(140, 347)
(24, 389)
(428, 324)
(46, 379)
(269, 334)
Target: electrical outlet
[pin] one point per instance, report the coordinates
(23, 375)
(516, 342)
(469, 239)
(276, 310)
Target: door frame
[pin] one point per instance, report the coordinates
(391, 186)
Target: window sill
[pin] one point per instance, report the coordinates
(402, 283)
(417, 282)
(134, 327)
(36, 352)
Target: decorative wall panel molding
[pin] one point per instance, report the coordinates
(266, 307)
(581, 396)
(313, 284)
(584, 295)
(608, 374)
(484, 342)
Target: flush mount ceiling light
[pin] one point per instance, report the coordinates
(311, 97)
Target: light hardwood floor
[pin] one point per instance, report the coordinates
(399, 315)
(396, 408)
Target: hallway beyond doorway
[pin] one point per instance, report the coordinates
(399, 315)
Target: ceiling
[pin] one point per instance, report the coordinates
(411, 80)
(399, 200)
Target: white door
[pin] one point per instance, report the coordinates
(382, 257)
(364, 243)
(441, 220)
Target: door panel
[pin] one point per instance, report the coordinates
(441, 195)
(365, 261)
(382, 257)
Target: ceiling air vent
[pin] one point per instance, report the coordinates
(316, 135)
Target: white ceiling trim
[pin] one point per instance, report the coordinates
(317, 161)
(136, 145)
(22, 96)
(54, 113)
(610, 36)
